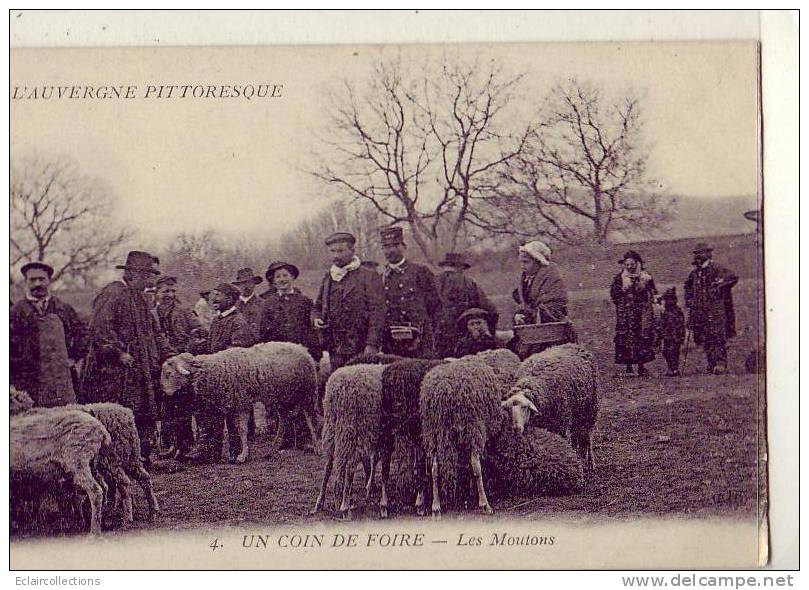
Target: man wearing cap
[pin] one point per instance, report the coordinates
(47, 339)
(126, 350)
(349, 309)
(473, 324)
(710, 303)
(183, 333)
(250, 304)
(411, 300)
(458, 293)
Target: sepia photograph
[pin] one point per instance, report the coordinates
(360, 306)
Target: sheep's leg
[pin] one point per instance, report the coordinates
(387, 453)
(483, 501)
(241, 425)
(280, 434)
(420, 477)
(145, 480)
(369, 466)
(83, 478)
(312, 432)
(123, 485)
(436, 498)
(348, 482)
(321, 497)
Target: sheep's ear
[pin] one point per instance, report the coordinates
(531, 406)
(506, 403)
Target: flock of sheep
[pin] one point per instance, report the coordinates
(527, 426)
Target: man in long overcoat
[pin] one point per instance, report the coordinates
(349, 311)
(47, 339)
(126, 350)
(458, 293)
(250, 304)
(710, 303)
(411, 301)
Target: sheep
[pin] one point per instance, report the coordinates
(505, 364)
(459, 409)
(537, 462)
(557, 390)
(376, 358)
(57, 443)
(19, 401)
(281, 375)
(352, 409)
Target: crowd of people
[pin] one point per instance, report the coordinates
(401, 308)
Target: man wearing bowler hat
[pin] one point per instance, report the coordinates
(711, 314)
(411, 300)
(458, 293)
(250, 304)
(47, 339)
(349, 309)
(126, 349)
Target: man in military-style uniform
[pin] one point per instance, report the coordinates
(411, 301)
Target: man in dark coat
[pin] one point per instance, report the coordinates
(250, 304)
(229, 329)
(411, 301)
(126, 351)
(458, 293)
(711, 313)
(183, 333)
(47, 340)
(349, 309)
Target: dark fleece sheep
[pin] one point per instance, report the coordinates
(376, 358)
(557, 390)
(351, 412)
(459, 407)
(534, 463)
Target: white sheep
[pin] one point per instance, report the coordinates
(351, 418)
(557, 390)
(281, 375)
(51, 445)
(459, 407)
(505, 364)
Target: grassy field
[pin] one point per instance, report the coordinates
(664, 446)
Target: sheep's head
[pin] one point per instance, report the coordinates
(521, 408)
(176, 373)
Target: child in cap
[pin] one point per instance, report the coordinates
(672, 331)
(474, 323)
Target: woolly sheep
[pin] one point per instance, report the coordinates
(505, 364)
(535, 463)
(375, 358)
(351, 410)
(557, 390)
(52, 444)
(281, 375)
(459, 407)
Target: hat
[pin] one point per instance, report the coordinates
(341, 236)
(229, 290)
(39, 265)
(456, 259)
(140, 261)
(278, 265)
(391, 236)
(669, 294)
(204, 294)
(473, 313)
(633, 255)
(165, 280)
(702, 248)
(537, 250)
(246, 275)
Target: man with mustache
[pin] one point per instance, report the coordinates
(47, 340)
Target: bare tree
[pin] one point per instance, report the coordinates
(61, 216)
(582, 175)
(418, 142)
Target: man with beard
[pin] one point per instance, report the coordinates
(47, 339)
(348, 312)
(126, 350)
(411, 300)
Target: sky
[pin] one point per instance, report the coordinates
(239, 165)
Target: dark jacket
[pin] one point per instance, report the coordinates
(542, 297)
(635, 329)
(353, 310)
(287, 318)
(672, 325)
(458, 293)
(710, 303)
(252, 311)
(122, 322)
(411, 298)
(177, 323)
(468, 345)
(229, 331)
(24, 348)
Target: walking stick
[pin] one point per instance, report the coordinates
(685, 352)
